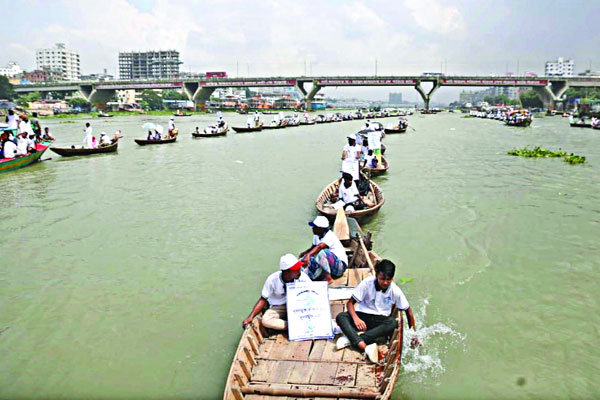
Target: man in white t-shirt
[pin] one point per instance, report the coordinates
(351, 157)
(348, 193)
(370, 309)
(326, 259)
(274, 293)
(12, 120)
(87, 139)
(10, 149)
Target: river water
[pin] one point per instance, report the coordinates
(128, 275)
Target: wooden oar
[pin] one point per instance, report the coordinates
(364, 248)
(340, 226)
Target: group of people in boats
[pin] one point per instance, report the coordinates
(91, 142)
(28, 133)
(216, 128)
(254, 120)
(155, 134)
(368, 320)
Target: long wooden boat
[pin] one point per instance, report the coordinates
(270, 367)
(596, 127)
(583, 125)
(380, 168)
(242, 129)
(523, 123)
(273, 127)
(220, 132)
(72, 152)
(105, 115)
(311, 122)
(325, 205)
(392, 130)
(143, 142)
(182, 115)
(9, 164)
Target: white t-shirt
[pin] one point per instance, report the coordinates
(274, 288)
(171, 124)
(334, 244)
(22, 145)
(10, 149)
(348, 195)
(374, 138)
(12, 121)
(371, 301)
(352, 152)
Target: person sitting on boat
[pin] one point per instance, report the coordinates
(595, 122)
(23, 144)
(104, 139)
(348, 193)
(326, 259)
(370, 160)
(87, 140)
(150, 135)
(9, 148)
(370, 309)
(46, 135)
(351, 157)
(116, 136)
(274, 293)
(249, 122)
(94, 142)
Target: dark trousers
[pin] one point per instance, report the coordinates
(379, 327)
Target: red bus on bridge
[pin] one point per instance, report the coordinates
(216, 74)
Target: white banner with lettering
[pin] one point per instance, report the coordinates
(308, 311)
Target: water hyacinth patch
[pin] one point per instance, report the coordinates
(539, 151)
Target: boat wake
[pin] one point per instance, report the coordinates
(426, 362)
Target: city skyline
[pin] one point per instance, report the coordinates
(285, 38)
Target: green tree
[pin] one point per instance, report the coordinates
(171, 94)
(78, 102)
(6, 89)
(529, 99)
(25, 99)
(151, 100)
(488, 99)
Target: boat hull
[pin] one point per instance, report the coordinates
(324, 205)
(69, 152)
(144, 142)
(11, 164)
(241, 129)
(389, 131)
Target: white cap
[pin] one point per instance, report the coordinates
(320, 222)
(353, 137)
(172, 118)
(287, 261)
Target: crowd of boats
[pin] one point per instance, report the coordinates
(509, 115)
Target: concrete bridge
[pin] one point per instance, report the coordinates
(549, 89)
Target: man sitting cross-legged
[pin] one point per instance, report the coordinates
(369, 310)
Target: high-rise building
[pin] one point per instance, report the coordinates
(149, 64)
(395, 98)
(560, 67)
(61, 60)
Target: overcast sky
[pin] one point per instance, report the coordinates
(268, 38)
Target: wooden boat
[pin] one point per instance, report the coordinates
(273, 126)
(220, 132)
(583, 125)
(380, 168)
(102, 115)
(325, 205)
(72, 152)
(273, 368)
(522, 123)
(311, 122)
(143, 142)
(182, 115)
(596, 127)
(392, 130)
(242, 129)
(10, 164)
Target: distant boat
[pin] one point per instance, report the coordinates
(72, 152)
(143, 142)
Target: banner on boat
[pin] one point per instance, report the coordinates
(308, 311)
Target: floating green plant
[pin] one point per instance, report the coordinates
(539, 151)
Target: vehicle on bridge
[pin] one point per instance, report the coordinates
(220, 74)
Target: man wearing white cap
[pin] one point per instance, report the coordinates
(351, 157)
(326, 259)
(274, 291)
(171, 126)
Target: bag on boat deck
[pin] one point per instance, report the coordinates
(363, 186)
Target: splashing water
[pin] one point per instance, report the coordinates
(425, 362)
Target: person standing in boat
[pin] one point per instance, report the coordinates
(171, 126)
(274, 293)
(326, 259)
(351, 157)
(370, 309)
(12, 120)
(256, 119)
(87, 139)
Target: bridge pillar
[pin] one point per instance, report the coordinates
(189, 89)
(308, 98)
(551, 93)
(427, 96)
(202, 95)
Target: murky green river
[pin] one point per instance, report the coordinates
(128, 275)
